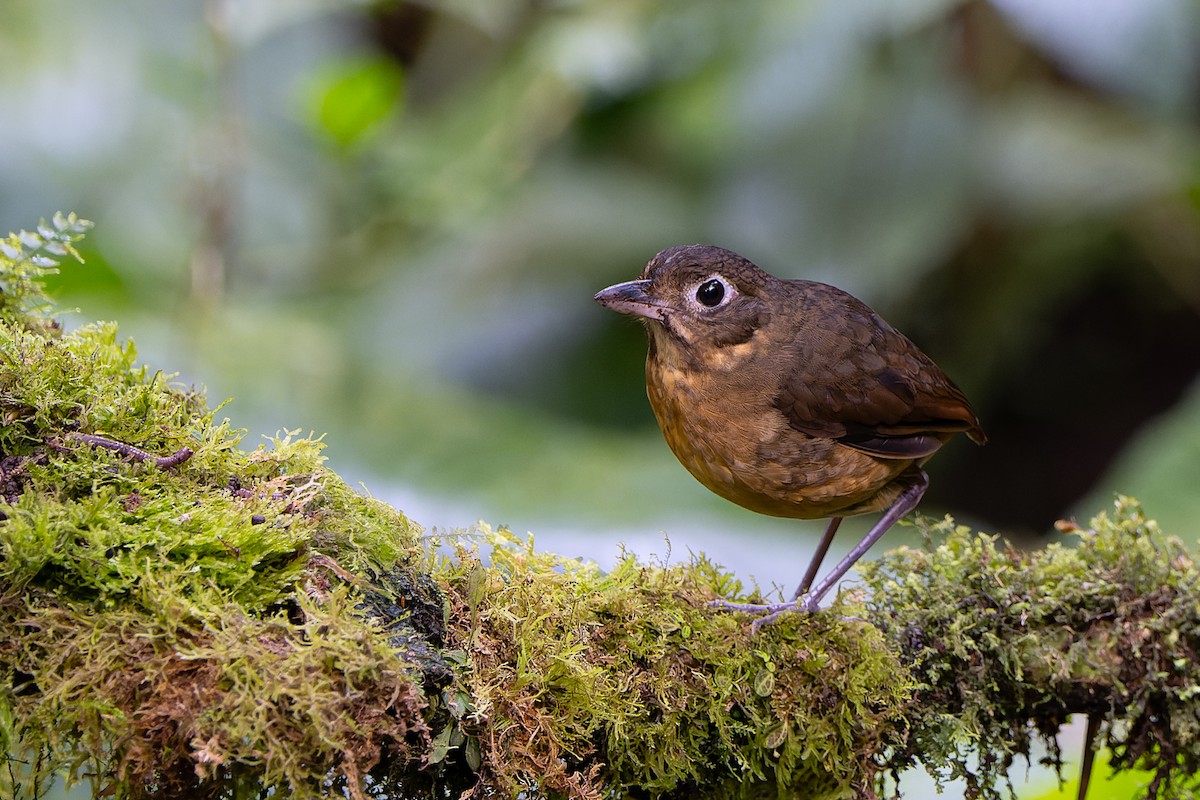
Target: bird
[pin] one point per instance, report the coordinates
(790, 398)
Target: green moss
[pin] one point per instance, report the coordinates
(1019, 641)
(181, 616)
(192, 629)
(585, 682)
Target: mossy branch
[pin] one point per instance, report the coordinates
(241, 623)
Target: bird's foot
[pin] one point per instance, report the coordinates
(768, 612)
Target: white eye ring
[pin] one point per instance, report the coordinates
(712, 292)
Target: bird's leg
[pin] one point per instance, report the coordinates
(809, 576)
(904, 503)
(818, 557)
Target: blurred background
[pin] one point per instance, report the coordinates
(386, 220)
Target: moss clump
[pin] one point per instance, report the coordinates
(624, 683)
(180, 617)
(1017, 642)
(194, 629)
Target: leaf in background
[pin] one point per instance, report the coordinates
(347, 101)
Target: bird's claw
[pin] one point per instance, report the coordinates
(768, 612)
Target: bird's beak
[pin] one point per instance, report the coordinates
(631, 298)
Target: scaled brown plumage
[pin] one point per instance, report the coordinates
(789, 397)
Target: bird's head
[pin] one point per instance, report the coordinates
(703, 303)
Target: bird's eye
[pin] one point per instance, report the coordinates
(710, 293)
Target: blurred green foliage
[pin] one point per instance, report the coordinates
(348, 101)
(387, 219)
(1127, 784)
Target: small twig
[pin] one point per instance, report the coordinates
(136, 453)
(322, 560)
(1089, 754)
(237, 551)
(175, 459)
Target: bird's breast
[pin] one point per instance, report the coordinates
(729, 435)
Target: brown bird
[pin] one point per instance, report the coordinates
(789, 397)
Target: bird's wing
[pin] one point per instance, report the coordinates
(859, 381)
